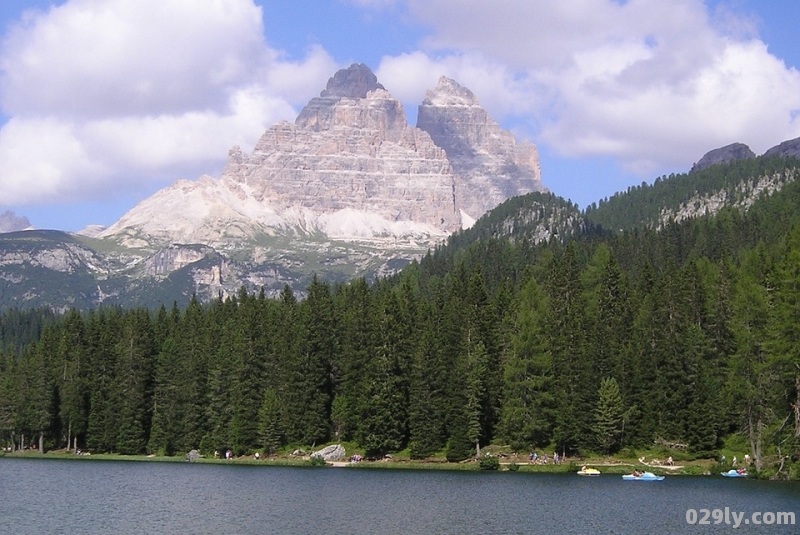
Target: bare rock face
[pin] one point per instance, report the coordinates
(787, 148)
(488, 164)
(10, 222)
(348, 183)
(356, 154)
(726, 154)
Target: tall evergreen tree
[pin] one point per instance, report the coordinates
(309, 393)
(608, 416)
(134, 382)
(528, 415)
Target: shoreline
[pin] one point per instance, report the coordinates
(615, 467)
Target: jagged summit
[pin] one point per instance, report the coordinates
(349, 173)
(726, 154)
(10, 222)
(488, 163)
(356, 81)
(448, 92)
(340, 103)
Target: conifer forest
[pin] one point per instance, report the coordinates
(681, 334)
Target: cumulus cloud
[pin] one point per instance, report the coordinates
(105, 95)
(496, 86)
(653, 83)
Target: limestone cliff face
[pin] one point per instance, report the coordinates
(349, 168)
(347, 153)
(488, 164)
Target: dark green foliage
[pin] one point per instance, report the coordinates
(488, 462)
(608, 416)
(270, 419)
(317, 461)
(680, 334)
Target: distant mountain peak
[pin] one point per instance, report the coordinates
(448, 92)
(10, 222)
(726, 154)
(356, 81)
(350, 180)
(787, 148)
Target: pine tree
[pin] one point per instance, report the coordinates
(427, 392)
(528, 402)
(751, 380)
(102, 331)
(72, 378)
(608, 416)
(133, 388)
(270, 422)
(566, 333)
(168, 402)
(309, 388)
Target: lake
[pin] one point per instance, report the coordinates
(45, 496)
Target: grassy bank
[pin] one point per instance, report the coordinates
(507, 462)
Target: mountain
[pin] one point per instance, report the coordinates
(349, 189)
(350, 168)
(58, 270)
(726, 154)
(734, 181)
(10, 222)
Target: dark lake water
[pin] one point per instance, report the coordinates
(108, 497)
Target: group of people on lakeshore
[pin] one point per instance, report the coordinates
(735, 460)
(543, 459)
(228, 455)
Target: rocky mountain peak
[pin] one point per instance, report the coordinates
(342, 103)
(10, 222)
(726, 154)
(787, 148)
(488, 163)
(356, 81)
(350, 173)
(448, 92)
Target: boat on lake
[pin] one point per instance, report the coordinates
(644, 476)
(735, 473)
(588, 472)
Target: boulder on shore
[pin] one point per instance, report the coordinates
(332, 453)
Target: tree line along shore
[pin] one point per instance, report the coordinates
(682, 338)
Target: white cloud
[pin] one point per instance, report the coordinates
(110, 95)
(653, 83)
(22, 144)
(103, 57)
(496, 87)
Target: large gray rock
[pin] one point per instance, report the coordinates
(726, 154)
(787, 148)
(331, 453)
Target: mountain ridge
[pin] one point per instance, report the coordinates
(351, 190)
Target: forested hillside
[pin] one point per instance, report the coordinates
(681, 335)
(736, 184)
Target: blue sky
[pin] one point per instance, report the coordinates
(103, 102)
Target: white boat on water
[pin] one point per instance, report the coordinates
(735, 473)
(644, 476)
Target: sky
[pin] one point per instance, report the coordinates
(104, 102)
